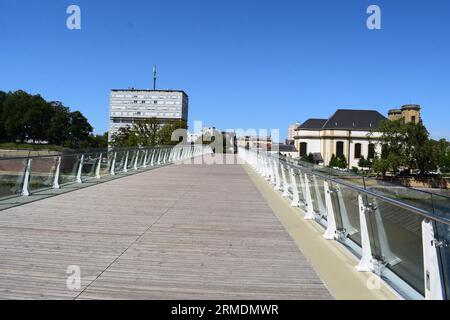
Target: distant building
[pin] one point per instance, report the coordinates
(286, 150)
(255, 142)
(291, 133)
(409, 113)
(130, 105)
(346, 133)
(351, 133)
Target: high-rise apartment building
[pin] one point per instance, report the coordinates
(130, 105)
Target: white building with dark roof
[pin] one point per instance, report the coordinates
(349, 133)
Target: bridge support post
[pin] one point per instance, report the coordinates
(26, 179)
(295, 197)
(57, 173)
(331, 228)
(125, 164)
(366, 262)
(99, 166)
(113, 164)
(309, 214)
(434, 288)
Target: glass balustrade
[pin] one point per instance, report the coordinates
(11, 176)
(394, 218)
(395, 234)
(44, 170)
(27, 175)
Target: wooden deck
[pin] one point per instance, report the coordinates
(178, 232)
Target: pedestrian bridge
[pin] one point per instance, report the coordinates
(156, 224)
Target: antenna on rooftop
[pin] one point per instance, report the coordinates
(154, 77)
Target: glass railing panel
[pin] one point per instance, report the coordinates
(69, 169)
(410, 196)
(346, 210)
(105, 166)
(441, 205)
(131, 158)
(90, 166)
(396, 239)
(287, 174)
(320, 196)
(443, 235)
(120, 161)
(11, 177)
(43, 172)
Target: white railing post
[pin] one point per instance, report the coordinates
(158, 161)
(295, 197)
(366, 262)
(57, 173)
(285, 184)
(309, 214)
(136, 158)
(145, 159)
(113, 164)
(125, 164)
(80, 170)
(434, 288)
(330, 233)
(152, 158)
(277, 176)
(272, 172)
(26, 178)
(99, 166)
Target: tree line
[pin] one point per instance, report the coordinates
(150, 132)
(26, 118)
(408, 148)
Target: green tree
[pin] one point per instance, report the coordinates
(406, 146)
(37, 119)
(58, 131)
(3, 136)
(171, 133)
(79, 129)
(123, 138)
(15, 107)
(308, 158)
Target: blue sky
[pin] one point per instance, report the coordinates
(244, 64)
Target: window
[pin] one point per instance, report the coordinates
(339, 149)
(303, 149)
(413, 119)
(371, 151)
(358, 151)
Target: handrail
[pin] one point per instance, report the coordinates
(364, 177)
(95, 151)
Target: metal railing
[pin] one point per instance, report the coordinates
(401, 235)
(23, 176)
